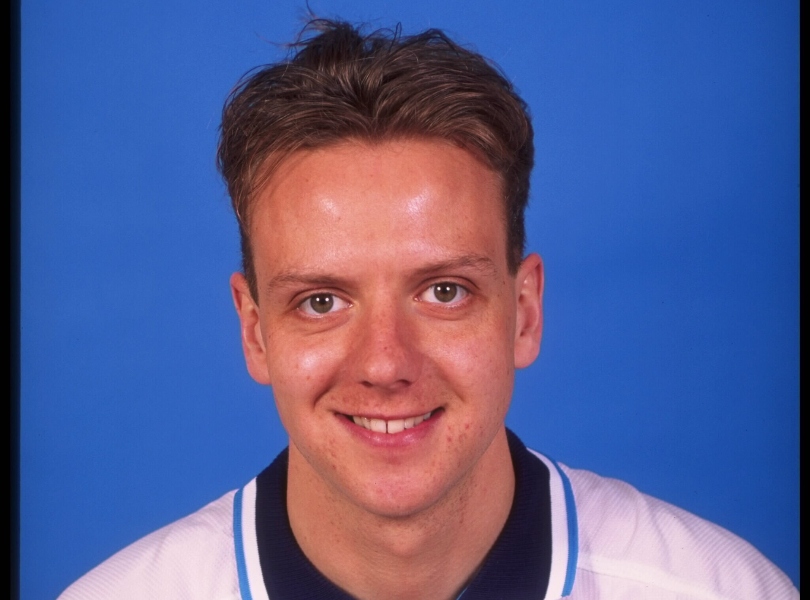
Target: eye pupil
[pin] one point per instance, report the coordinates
(322, 303)
(445, 292)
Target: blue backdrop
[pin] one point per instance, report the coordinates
(665, 204)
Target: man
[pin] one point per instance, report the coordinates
(379, 183)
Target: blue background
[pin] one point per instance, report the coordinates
(665, 203)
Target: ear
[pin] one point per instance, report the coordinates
(529, 318)
(251, 330)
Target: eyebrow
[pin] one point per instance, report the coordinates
(294, 278)
(477, 262)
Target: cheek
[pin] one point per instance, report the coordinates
(477, 350)
(480, 366)
(301, 371)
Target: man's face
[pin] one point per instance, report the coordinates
(387, 321)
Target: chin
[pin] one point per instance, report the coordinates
(399, 498)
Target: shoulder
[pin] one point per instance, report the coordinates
(190, 558)
(633, 545)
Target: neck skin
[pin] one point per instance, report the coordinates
(430, 555)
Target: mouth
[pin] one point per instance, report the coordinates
(390, 425)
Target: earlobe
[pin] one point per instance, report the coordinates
(529, 319)
(250, 328)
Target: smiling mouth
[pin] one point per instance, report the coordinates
(392, 425)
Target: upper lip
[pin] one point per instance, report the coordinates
(394, 417)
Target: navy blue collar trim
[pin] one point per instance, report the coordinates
(517, 567)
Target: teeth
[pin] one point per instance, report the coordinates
(392, 426)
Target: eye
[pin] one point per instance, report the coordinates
(322, 304)
(445, 292)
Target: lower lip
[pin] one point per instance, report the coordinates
(403, 439)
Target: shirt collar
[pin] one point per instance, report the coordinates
(533, 557)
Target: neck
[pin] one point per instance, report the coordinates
(431, 554)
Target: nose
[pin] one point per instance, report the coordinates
(387, 354)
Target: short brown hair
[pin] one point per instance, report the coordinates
(340, 84)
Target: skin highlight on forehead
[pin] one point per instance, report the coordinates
(408, 209)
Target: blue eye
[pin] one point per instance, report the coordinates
(322, 304)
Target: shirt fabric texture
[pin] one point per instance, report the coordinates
(570, 533)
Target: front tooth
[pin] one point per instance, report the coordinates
(409, 422)
(366, 422)
(377, 425)
(396, 425)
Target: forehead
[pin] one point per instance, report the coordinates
(405, 196)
